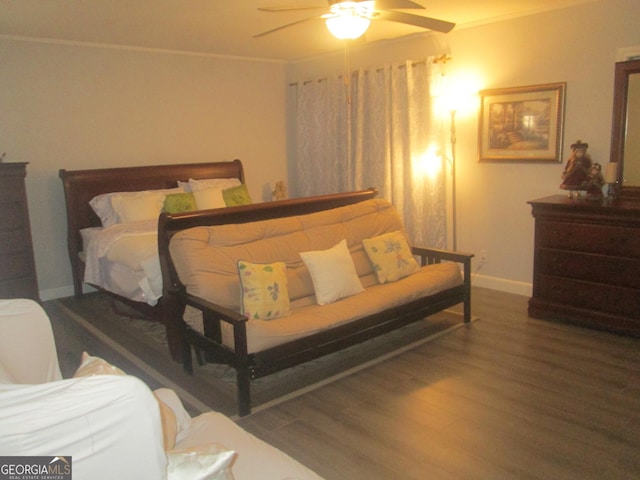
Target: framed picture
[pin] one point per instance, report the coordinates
(521, 124)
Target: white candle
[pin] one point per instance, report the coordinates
(611, 173)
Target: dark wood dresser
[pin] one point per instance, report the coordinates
(586, 266)
(17, 264)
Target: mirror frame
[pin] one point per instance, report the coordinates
(619, 123)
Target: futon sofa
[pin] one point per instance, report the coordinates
(264, 295)
(104, 424)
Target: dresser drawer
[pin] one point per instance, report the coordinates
(14, 241)
(589, 296)
(587, 262)
(26, 287)
(594, 268)
(17, 263)
(11, 217)
(589, 238)
(15, 266)
(12, 190)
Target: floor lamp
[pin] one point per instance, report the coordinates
(454, 220)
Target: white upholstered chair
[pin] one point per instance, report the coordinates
(110, 425)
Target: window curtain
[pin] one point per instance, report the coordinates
(374, 130)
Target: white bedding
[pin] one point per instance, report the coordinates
(123, 259)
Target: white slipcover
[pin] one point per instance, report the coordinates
(255, 459)
(109, 424)
(27, 348)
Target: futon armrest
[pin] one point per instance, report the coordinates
(436, 255)
(212, 309)
(430, 256)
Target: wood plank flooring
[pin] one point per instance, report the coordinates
(507, 397)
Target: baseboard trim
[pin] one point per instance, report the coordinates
(502, 285)
(62, 292)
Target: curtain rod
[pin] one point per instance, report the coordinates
(443, 58)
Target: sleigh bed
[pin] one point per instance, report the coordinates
(123, 259)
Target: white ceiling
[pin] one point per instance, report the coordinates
(225, 27)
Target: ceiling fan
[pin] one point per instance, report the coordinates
(350, 19)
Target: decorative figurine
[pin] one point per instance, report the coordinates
(280, 192)
(596, 182)
(576, 174)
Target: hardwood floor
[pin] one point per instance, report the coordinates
(507, 397)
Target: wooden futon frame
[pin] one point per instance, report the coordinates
(255, 365)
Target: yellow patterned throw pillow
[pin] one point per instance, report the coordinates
(390, 256)
(264, 290)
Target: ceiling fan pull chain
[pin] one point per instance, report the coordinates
(347, 71)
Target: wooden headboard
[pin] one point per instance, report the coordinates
(80, 186)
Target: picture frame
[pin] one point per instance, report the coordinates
(522, 124)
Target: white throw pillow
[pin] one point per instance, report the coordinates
(209, 198)
(211, 462)
(145, 206)
(101, 204)
(221, 183)
(333, 273)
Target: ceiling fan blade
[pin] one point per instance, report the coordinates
(396, 4)
(285, 26)
(289, 9)
(416, 20)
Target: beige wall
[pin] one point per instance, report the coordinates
(576, 45)
(78, 107)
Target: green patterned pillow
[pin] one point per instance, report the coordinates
(236, 196)
(390, 256)
(179, 203)
(264, 290)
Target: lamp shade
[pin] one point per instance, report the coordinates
(347, 25)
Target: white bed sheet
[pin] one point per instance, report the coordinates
(123, 259)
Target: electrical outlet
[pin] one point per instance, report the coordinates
(483, 256)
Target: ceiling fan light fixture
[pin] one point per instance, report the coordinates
(349, 20)
(347, 27)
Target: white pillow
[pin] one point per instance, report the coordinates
(210, 462)
(209, 198)
(101, 204)
(333, 273)
(221, 183)
(145, 206)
